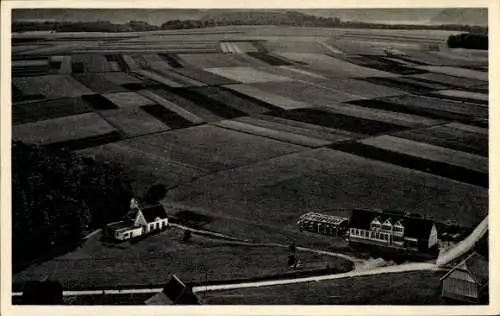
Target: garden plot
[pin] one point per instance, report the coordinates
(315, 136)
(429, 152)
(205, 77)
(92, 62)
(406, 84)
(475, 96)
(271, 59)
(443, 79)
(132, 64)
(246, 74)
(62, 129)
(215, 148)
(347, 123)
(234, 100)
(134, 121)
(335, 67)
(159, 78)
(187, 104)
(49, 109)
(183, 81)
(283, 45)
(154, 62)
(436, 108)
(464, 138)
(278, 190)
(120, 78)
(99, 82)
(448, 58)
(127, 99)
(323, 93)
(218, 108)
(351, 47)
(279, 101)
(302, 128)
(406, 120)
(51, 86)
(172, 107)
(469, 128)
(65, 65)
(272, 133)
(170, 118)
(383, 64)
(211, 60)
(456, 71)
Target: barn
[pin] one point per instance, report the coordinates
(467, 281)
(323, 224)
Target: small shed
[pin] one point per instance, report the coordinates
(175, 292)
(323, 224)
(467, 281)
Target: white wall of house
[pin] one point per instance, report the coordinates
(129, 233)
(433, 237)
(158, 224)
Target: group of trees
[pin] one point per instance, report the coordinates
(57, 196)
(227, 18)
(468, 40)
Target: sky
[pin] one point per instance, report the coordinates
(159, 16)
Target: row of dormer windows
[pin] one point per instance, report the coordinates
(387, 225)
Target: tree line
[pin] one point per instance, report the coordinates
(289, 18)
(58, 196)
(468, 40)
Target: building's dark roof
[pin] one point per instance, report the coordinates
(414, 227)
(174, 292)
(152, 212)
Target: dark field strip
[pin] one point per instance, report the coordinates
(77, 144)
(18, 96)
(270, 59)
(134, 86)
(415, 163)
(26, 71)
(454, 98)
(338, 121)
(205, 76)
(44, 110)
(448, 80)
(77, 67)
(421, 111)
(401, 84)
(233, 100)
(172, 60)
(411, 60)
(214, 106)
(98, 102)
(171, 119)
(473, 145)
(119, 60)
(98, 83)
(261, 103)
(383, 64)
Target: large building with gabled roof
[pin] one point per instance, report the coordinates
(394, 231)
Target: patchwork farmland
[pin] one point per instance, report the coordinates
(252, 128)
